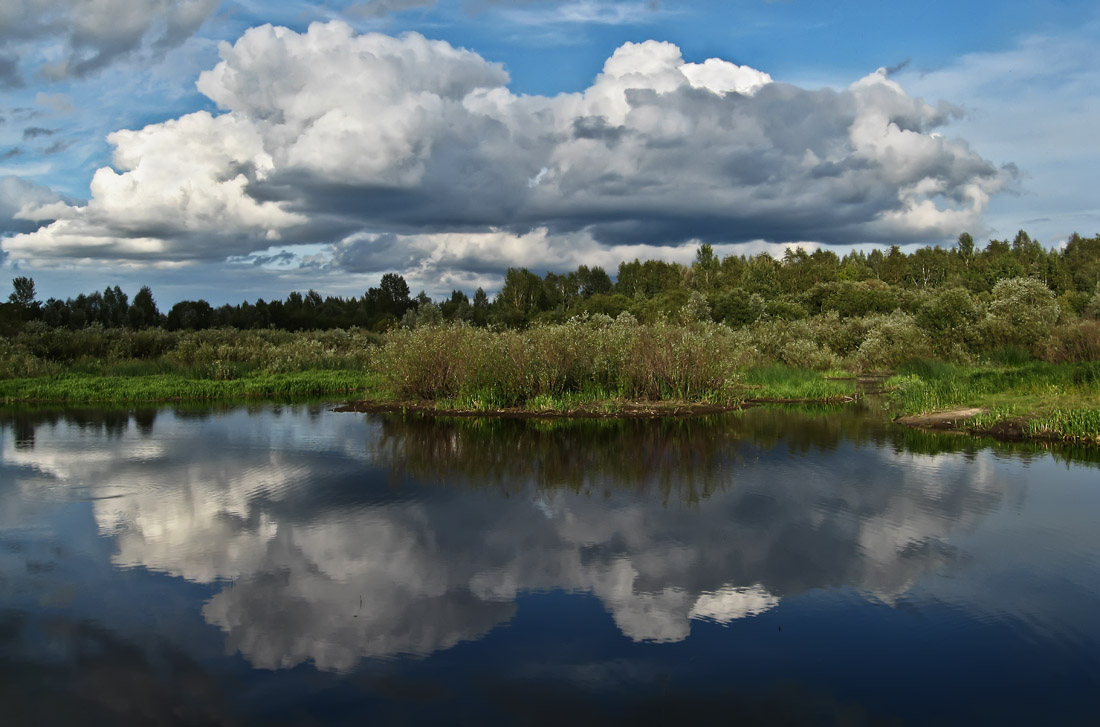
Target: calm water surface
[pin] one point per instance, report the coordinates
(290, 565)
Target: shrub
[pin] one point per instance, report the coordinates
(891, 341)
(949, 318)
(1021, 313)
(738, 308)
(1078, 341)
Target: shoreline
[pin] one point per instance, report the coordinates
(1022, 419)
(597, 410)
(960, 421)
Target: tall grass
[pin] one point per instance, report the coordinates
(219, 354)
(83, 388)
(595, 358)
(779, 382)
(115, 365)
(584, 361)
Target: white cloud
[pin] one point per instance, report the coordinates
(415, 151)
(1037, 104)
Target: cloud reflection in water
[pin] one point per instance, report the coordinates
(340, 538)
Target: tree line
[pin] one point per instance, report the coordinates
(737, 290)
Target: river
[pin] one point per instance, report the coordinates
(286, 564)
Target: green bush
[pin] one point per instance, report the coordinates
(1022, 313)
(950, 318)
(891, 341)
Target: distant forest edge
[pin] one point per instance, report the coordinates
(735, 290)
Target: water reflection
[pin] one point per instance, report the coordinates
(331, 538)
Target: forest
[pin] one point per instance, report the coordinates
(928, 283)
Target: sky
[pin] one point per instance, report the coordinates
(230, 150)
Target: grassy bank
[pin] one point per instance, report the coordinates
(1037, 399)
(598, 366)
(86, 388)
(98, 365)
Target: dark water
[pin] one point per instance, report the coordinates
(290, 565)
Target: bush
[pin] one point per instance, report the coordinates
(891, 341)
(950, 318)
(1022, 312)
(1078, 341)
(738, 308)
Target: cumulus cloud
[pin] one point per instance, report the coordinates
(94, 33)
(18, 194)
(409, 152)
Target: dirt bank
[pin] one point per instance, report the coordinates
(940, 419)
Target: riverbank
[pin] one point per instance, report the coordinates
(79, 389)
(1037, 400)
(368, 391)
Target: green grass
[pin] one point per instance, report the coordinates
(781, 383)
(84, 388)
(1053, 401)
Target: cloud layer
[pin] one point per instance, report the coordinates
(377, 144)
(81, 37)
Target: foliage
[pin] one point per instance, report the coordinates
(1021, 313)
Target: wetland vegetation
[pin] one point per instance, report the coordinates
(1012, 330)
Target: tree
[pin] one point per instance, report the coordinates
(24, 293)
(894, 266)
(143, 311)
(706, 268)
(593, 281)
(391, 296)
(949, 317)
(190, 314)
(760, 276)
(457, 308)
(481, 307)
(115, 307)
(965, 247)
(520, 297)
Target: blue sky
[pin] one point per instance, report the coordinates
(327, 156)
